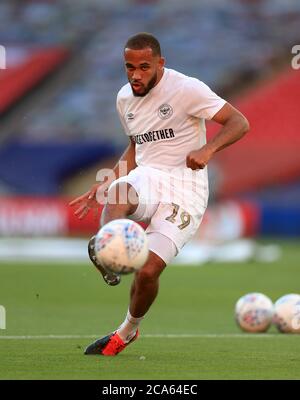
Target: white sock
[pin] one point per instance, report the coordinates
(129, 327)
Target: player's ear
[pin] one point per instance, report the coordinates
(161, 63)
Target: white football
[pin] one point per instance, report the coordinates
(121, 246)
(254, 312)
(287, 313)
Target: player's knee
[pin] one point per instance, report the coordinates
(149, 273)
(146, 276)
(123, 196)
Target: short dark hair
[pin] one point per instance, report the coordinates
(143, 40)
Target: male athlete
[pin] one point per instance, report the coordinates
(163, 113)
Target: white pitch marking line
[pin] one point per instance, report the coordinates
(167, 335)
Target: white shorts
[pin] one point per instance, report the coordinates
(172, 207)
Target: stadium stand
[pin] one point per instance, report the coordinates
(27, 72)
(270, 153)
(39, 168)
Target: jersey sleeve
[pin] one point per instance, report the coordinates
(200, 101)
(121, 116)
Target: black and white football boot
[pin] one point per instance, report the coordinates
(109, 277)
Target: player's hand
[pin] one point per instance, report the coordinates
(86, 202)
(198, 159)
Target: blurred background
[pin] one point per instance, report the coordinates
(59, 126)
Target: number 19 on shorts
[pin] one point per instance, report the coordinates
(184, 217)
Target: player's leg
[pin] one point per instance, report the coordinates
(143, 293)
(145, 286)
(144, 290)
(122, 201)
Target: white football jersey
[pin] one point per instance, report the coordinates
(169, 121)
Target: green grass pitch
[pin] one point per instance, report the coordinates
(189, 333)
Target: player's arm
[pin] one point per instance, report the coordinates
(88, 200)
(127, 157)
(125, 164)
(235, 125)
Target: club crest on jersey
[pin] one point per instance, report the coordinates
(130, 116)
(165, 111)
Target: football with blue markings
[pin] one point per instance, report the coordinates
(254, 312)
(287, 313)
(121, 246)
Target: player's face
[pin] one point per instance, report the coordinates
(144, 70)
